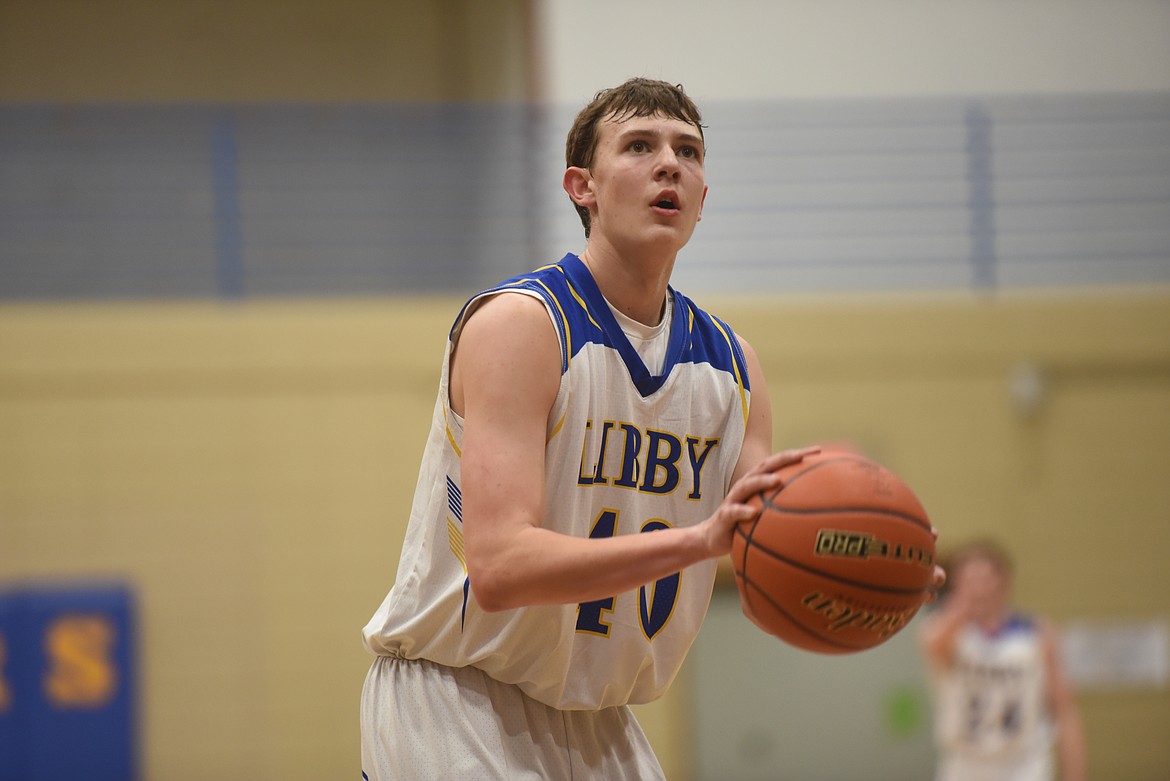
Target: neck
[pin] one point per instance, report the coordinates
(992, 620)
(635, 286)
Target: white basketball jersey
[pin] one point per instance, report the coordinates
(628, 452)
(992, 701)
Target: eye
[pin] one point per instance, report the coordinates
(639, 146)
(689, 152)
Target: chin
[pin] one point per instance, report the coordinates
(672, 236)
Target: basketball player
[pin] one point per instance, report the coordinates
(595, 440)
(1002, 699)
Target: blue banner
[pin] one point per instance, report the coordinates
(67, 683)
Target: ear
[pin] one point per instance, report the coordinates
(579, 185)
(701, 202)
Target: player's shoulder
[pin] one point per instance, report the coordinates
(513, 317)
(1023, 624)
(537, 290)
(504, 315)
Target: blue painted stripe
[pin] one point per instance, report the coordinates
(981, 198)
(229, 254)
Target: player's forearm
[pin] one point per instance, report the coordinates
(541, 567)
(1071, 752)
(1070, 741)
(939, 636)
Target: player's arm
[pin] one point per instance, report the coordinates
(504, 378)
(757, 464)
(757, 438)
(940, 634)
(1063, 705)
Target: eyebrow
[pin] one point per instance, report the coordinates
(654, 133)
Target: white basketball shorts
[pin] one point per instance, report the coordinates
(1034, 767)
(424, 721)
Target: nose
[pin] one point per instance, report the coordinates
(667, 166)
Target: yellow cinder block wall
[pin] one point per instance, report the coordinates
(248, 50)
(249, 467)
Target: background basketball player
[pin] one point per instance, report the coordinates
(1002, 699)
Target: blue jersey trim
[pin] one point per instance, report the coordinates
(1018, 622)
(582, 316)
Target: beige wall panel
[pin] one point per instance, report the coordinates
(249, 469)
(249, 472)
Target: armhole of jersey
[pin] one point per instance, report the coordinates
(540, 294)
(738, 365)
(737, 354)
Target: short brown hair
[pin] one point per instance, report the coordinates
(985, 549)
(637, 97)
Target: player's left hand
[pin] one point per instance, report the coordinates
(940, 576)
(737, 508)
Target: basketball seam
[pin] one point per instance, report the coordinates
(769, 501)
(826, 510)
(747, 542)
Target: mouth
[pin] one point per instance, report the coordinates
(667, 201)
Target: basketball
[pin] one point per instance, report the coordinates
(840, 558)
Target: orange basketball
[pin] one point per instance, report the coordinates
(840, 558)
